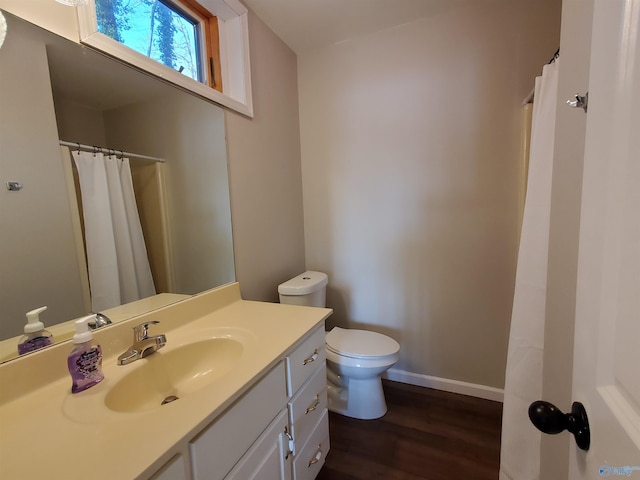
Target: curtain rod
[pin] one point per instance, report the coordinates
(112, 151)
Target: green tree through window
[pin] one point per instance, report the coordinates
(106, 12)
(166, 34)
(161, 30)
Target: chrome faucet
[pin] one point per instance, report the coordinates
(143, 344)
(101, 320)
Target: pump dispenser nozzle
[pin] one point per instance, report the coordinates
(33, 320)
(83, 334)
(35, 336)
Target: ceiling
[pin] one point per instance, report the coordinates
(305, 25)
(95, 80)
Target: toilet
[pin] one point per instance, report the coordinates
(356, 359)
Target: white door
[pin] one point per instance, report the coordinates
(607, 331)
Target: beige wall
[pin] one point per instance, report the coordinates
(410, 161)
(38, 258)
(264, 171)
(79, 123)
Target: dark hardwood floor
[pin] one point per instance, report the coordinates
(426, 434)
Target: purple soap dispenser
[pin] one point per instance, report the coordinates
(85, 360)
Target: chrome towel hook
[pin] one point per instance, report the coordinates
(581, 101)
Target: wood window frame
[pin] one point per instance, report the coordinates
(211, 35)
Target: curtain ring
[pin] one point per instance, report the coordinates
(121, 154)
(78, 146)
(95, 150)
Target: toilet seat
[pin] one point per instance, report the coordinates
(361, 344)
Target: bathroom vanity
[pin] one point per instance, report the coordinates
(250, 383)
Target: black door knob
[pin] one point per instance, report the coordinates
(548, 419)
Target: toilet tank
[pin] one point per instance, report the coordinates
(308, 288)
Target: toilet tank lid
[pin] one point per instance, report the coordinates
(304, 284)
(360, 343)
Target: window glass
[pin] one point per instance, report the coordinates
(161, 30)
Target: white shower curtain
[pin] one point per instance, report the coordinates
(520, 450)
(117, 259)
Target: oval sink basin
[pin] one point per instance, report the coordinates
(166, 376)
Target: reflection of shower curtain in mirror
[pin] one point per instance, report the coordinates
(116, 253)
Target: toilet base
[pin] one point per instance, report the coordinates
(356, 398)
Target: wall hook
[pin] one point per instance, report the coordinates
(581, 101)
(14, 186)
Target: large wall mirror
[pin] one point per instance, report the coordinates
(54, 90)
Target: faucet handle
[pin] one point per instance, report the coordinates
(141, 331)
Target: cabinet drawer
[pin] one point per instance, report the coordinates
(307, 407)
(219, 446)
(309, 461)
(305, 360)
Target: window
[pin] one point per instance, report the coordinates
(180, 35)
(198, 45)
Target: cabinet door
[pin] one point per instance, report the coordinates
(174, 469)
(268, 458)
(219, 446)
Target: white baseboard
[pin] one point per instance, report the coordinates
(445, 384)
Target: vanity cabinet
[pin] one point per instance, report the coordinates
(277, 430)
(174, 469)
(261, 414)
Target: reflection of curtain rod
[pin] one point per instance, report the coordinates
(110, 151)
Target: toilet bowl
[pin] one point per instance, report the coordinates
(356, 359)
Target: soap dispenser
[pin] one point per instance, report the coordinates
(85, 359)
(35, 336)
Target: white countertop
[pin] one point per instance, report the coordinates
(46, 432)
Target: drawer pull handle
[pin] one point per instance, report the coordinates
(317, 458)
(313, 406)
(312, 358)
(290, 443)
